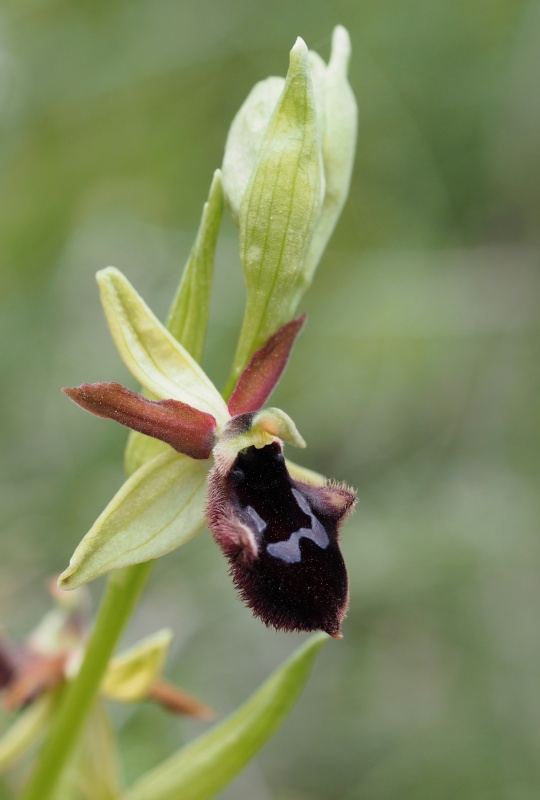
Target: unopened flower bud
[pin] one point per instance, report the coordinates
(286, 174)
(279, 208)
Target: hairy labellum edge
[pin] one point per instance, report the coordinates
(281, 538)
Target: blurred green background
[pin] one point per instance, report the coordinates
(416, 379)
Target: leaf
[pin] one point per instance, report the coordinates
(203, 768)
(157, 509)
(151, 353)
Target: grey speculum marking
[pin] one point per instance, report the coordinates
(289, 550)
(260, 524)
(273, 506)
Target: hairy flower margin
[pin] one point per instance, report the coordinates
(286, 173)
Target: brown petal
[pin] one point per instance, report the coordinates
(37, 677)
(264, 370)
(184, 428)
(9, 660)
(178, 702)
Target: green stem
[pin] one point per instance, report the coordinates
(123, 590)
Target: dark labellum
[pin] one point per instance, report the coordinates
(282, 540)
(7, 666)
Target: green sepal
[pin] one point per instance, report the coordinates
(151, 353)
(156, 510)
(94, 771)
(318, 77)
(280, 209)
(245, 139)
(140, 449)
(131, 674)
(26, 730)
(203, 768)
(304, 474)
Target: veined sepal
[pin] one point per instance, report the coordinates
(245, 139)
(25, 731)
(159, 508)
(151, 353)
(338, 115)
(131, 674)
(135, 676)
(190, 310)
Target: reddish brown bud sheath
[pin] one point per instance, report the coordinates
(184, 428)
(264, 370)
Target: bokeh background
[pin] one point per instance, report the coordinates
(416, 379)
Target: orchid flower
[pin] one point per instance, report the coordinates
(223, 465)
(33, 674)
(286, 173)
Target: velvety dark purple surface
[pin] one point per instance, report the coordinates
(305, 587)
